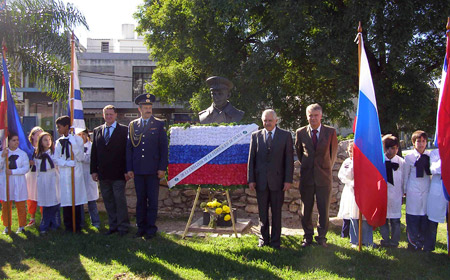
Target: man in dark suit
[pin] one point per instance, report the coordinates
(108, 166)
(316, 146)
(270, 171)
(147, 160)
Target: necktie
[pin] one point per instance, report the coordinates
(107, 135)
(314, 138)
(65, 143)
(12, 161)
(45, 157)
(33, 167)
(269, 140)
(390, 168)
(422, 165)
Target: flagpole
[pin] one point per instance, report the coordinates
(8, 201)
(72, 42)
(359, 71)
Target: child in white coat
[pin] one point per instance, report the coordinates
(48, 192)
(91, 185)
(347, 196)
(390, 231)
(18, 166)
(31, 177)
(417, 185)
(68, 146)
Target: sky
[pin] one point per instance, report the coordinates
(104, 17)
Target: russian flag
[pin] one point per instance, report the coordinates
(368, 156)
(443, 123)
(78, 116)
(189, 145)
(9, 118)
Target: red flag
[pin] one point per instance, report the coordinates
(443, 124)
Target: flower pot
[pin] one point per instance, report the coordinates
(222, 223)
(206, 218)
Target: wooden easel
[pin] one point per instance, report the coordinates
(195, 205)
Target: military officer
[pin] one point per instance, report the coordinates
(147, 159)
(221, 110)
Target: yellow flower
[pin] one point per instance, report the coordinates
(227, 218)
(210, 204)
(219, 211)
(226, 209)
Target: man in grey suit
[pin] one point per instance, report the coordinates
(316, 146)
(269, 172)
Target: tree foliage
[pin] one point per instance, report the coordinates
(36, 33)
(287, 54)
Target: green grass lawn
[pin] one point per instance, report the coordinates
(91, 255)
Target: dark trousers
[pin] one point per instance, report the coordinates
(345, 228)
(391, 235)
(49, 218)
(67, 217)
(273, 199)
(430, 236)
(147, 191)
(113, 193)
(322, 195)
(416, 227)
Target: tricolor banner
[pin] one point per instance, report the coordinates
(368, 155)
(443, 123)
(78, 116)
(205, 155)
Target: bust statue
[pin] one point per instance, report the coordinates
(221, 110)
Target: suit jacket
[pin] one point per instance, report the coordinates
(109, 161)
(272, 168)
(316, 164)
(151, 151)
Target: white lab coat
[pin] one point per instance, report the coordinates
(416, 189)
(395, 192)
(31, 178)
(347, 204)
(437, 204)
(48, 191)
(17, 182)
(91, 185)
(65, 172)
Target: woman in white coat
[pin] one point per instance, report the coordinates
(91, 185)
(437, 204)
(18, 166)
(66, 146)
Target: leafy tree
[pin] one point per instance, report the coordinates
(36, 33)
(287, 54)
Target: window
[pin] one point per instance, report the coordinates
(105, 47)
(141, 76)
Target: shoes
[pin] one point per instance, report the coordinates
(276, 247)
(43, 233)
(306, 244)
(139, 234)
(5, 231)
(323, 244)
(262, 244)
(149, 236)
(97, 226)
(20, 230)
(31, 223)
(111, 231)
(122, 233)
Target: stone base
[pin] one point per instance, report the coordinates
(242, 225)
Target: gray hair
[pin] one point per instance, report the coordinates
(313, 107)
(269, 111)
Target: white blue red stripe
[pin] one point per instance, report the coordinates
(368, 155)
(443, 123)
(78, 116)
(187, 146)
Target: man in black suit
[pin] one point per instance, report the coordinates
(108, 166)
(270, 171)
